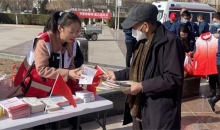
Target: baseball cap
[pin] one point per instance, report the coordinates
(173, 16)
(140, 13)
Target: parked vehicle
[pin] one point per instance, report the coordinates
(167, 7)
(91, 32)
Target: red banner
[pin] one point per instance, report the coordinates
(95, 15)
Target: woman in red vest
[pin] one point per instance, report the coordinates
(55, 52)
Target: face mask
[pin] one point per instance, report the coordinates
(216, 25)
(184, 21)
(138, 35)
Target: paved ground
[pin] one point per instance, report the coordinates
(196, 115)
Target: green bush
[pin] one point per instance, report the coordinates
(111, 22)
(27, 19)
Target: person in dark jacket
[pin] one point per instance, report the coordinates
(215, 97)
(195, 28)
(213, 30)
(168, 24)
(187, 39)
(181, 11)
(203, 25)
(130, 44)
(154, 98)
(185, 19)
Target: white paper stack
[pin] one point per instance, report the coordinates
(77, 99)
(35, 104)
(15, 108)
(85, 95)
(50, 105)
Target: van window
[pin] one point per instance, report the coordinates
(206, 15)
(159, 15)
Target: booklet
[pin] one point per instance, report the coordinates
(115, 85)
(88, 74)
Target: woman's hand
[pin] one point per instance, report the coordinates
(191, 53)
(109, 75)
(185, 73)
(75, 73)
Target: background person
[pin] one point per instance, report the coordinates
(203, 25)
(187, 38)
(185, 19)
(130, 43)
(173, 18)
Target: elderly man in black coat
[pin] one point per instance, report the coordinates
(156, 74)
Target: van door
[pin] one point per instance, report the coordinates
(160, 16)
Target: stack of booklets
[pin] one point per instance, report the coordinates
(60, 101)
(115, 85)
(85, 95)
(15, 108)
(35, 104)
(77, 99)
(50, 105)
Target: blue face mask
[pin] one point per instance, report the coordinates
(216, 25)
(184, 21)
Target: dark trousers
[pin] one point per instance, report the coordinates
(218, 95)
(130, 50)
(213, 82)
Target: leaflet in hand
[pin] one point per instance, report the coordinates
(115, 85)
(88, 74)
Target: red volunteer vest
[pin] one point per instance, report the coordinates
(33, 85)
(205, 56)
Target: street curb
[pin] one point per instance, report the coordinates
(21, 58)
(22, 26)
(12, 57)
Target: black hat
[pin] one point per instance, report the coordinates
(140, 13)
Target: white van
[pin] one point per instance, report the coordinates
(165, 8)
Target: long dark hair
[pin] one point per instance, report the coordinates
(184, 28)
(60, 18)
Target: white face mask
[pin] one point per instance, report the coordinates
(138, 34)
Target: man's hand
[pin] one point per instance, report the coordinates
(109, 75)
(135, 88)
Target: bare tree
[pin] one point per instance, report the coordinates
(58, 5)
(75, 3)
(5, 4)
(131, 3)
(13, 6)
(27, 3)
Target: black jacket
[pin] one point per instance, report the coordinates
(191, 42)
(163, 80)
(78, 59)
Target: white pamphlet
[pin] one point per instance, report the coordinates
(88, 74)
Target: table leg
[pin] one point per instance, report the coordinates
(78, 123)
(104, 120)
(103, 124)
